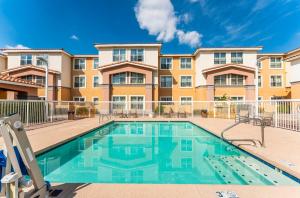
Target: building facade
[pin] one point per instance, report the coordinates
(140, 72)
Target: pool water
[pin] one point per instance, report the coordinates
(156, 153)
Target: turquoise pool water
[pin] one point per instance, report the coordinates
(155, 152)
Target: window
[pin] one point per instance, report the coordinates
(96, 82)
(37, 79)
(119, 102)
(79, 81)
(137, 55)
(186, 81)
(119, 78)
(40, 62)
(136, 78)
(95, 100)
(185, 100)
(26, 59)
(119, 55)
(260, 98)
(166, 81)
(220, 58)
(40, 80)
(220, 80)
(166, 63)
(276, 81)
(96, 63)
(277, 97)
(275, 62)
(237, 98)
(237, 80)
(79, 63)
(258, 64)
(166, 100)
(79, 99)
(186, 145)
(229, 80)
(186, 163)
(185, 63)
(259, 81)
(137, 102)
(237, 57)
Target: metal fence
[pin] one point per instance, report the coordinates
(35, 112)
(286, 113)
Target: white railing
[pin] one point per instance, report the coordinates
(35, 112)
(286, 113)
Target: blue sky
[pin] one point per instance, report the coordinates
(182, 25)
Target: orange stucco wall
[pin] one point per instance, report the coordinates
(266, 91)
(295, 90)
(176, 92)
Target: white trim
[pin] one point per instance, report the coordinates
(74, 82)
(94, 62)
(180, 99)
(129, 45)
(191, 82)
(144, 102)
(143, 54)
(94, 98)
(185, 68)
(281, 61)
(171, 63)
(84, 97)
(126, 101)
(160, 82)
(166, 97)
(271, 81)
(79, 69)
(94, 80)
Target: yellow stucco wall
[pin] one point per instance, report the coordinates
(266, 91)
(230, 91)
(295, 90)
(176, 92)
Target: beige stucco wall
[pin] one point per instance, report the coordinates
(2, 63)
(205, 59)
(150, 55)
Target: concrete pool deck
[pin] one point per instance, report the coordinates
(282, 150)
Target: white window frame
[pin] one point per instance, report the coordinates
(236, 58)
(259, 64)
(166, 58)
(186, 76)
(281, 63)
(236, 96)
(93, 98)
(82, 97)
(186, 102)
(126, 103)
(44, 56)
(94, 63)
(94, 81)
(192, 145)
(144, 102)
(219, 58)
(160, 77)
(119, 54)
(180, 67)
(26, 59)
(260, 98)
(74, 81)
(137, 55)
(271, 81)
(261, 81)
(79, 69)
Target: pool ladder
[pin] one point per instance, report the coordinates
(253, 141)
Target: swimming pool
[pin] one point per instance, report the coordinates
(156, 153)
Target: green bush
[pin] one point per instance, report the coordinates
(82, 111)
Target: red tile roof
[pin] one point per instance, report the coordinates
(11, 79)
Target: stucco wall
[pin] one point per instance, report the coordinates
(150, 55)
(205, 59)
(2, 63)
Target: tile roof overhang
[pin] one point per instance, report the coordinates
(29, 67)
(216, 68)
(103, 67)
(6, 79)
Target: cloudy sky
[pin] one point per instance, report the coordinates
(182, 25)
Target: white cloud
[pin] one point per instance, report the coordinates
(186, 18)
(192, 38)
(261, 4)
(18, 46)
(74, 37)
(159, 19)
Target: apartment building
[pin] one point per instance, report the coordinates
(140, 72)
